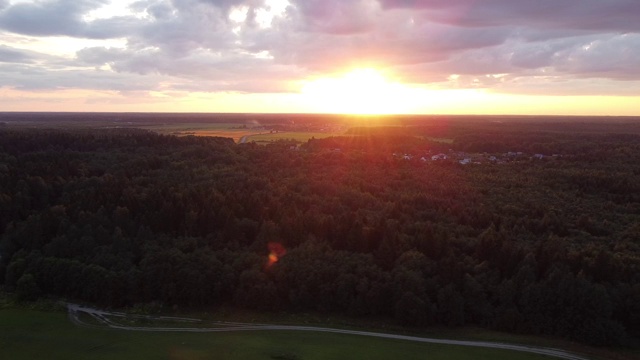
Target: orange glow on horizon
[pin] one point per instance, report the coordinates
(363, 91)
(421, 100)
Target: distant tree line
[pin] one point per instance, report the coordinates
(123, 217)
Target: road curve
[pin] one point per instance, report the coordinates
(103, 317)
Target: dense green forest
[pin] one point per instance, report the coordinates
(340, 225)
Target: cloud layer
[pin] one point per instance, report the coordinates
(258, 46)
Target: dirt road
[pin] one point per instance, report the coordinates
(109, 319)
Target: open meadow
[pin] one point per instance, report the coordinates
(229, 130)
(296, 136)
(261, 128)
(29, 334)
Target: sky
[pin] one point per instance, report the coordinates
(548, 57)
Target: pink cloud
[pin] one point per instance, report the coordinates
(194, 44)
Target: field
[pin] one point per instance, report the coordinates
(239, 132)
(289, 135)
(28, 334)
(231, 130)
(440, 140)
(261, 128)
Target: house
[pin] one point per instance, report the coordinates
(439, 157)
(465, 161)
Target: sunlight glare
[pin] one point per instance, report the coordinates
(272, 9)
(361, 91)
(113, 9)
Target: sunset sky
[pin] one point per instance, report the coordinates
(576, 57)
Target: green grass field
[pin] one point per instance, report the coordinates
(166, 127)
(299, 136)
(29, 334)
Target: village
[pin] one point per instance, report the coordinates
(464, 158)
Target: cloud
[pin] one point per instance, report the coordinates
(64, 18)
(608, 57)
(613, 57)
(551, 86)
(200, 71)
(29, 77)
(47, 18)
(271, 45)
(10, 55)
(395, 39)
(226, 4)
(597, 15)
(337, 17)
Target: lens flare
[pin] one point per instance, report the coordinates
(276, 251)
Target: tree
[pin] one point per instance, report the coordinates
(26, 288)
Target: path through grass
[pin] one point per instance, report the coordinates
(27, 334)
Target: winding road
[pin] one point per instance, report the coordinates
(105, 319)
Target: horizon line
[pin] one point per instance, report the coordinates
(315, 114)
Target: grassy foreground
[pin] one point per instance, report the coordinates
(29, 334)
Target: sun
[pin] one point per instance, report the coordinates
(363, 91)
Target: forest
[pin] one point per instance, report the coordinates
(118, 217)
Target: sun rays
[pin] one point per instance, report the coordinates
(363, 91)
